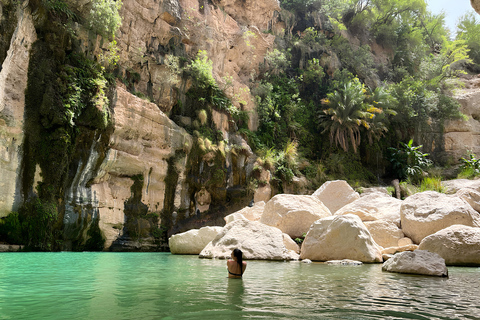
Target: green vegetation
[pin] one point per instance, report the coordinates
(470, 167)
(345, 109)
(408, 162)
(104, 18)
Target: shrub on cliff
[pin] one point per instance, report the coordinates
(104, 17)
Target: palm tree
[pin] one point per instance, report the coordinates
(346, 114)
(379, 104)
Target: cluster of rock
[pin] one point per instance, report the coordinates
(340, 224)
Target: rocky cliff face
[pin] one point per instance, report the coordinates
(16, 44)
(138, 176)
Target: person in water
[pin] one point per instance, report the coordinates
(236, 267)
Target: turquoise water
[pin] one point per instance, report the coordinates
(164, 286)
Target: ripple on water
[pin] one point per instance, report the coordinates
(163, 286)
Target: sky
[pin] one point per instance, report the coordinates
(453, 10)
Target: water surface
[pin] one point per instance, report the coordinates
(163, 286)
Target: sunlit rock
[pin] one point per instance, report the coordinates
(293, 214)
(290, 244)
(375, 190)
(336, 194)
(417, 262)
(256, 240)
(393, 250)
(250, 213)
(453, 186)
(344, 262)
(340, 237)
(384, 232)
(192, 241)
(203, 199)
(471, 196)
(405, 241)
(373, 207)
(427, 212)
(475, 5)
(457, 244)
(13, 84)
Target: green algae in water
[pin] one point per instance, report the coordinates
(163, 286)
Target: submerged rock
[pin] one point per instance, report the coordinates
(192, 241)
(417, 262)
(256, 240)
(427, 212)
(458, 245)
(293, 214)
(344, 262)
(336, 194)
(340, 237)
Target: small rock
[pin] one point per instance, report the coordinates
(345, 262)
(417, 262)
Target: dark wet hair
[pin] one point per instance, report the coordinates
(237, 253)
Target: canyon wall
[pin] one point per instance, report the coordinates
(143, 176)
(134, 178)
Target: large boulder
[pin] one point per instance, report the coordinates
(471, 196)
(457, 244)
(373, 207)
(338, 238)
(293, 214)
(427, 212)
(384, 232)
(417, 262)
(452, 186)
(250, 213)
(256, 240)
(192, 241)
(336, 194)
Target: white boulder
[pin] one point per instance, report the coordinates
(384, 232)
(405, 241)
(453, 186)
(336, 194)
(417, 262)
(250, 213)
(256, 240)
(380, 190)
(290, 244)
(192, 241)
(373, 207)
(457, 244)
(338, 238)
(425, 213)
(471, 196)
(293, 214)
(393, 250)
(234, 216)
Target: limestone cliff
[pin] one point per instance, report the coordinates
(136, 176)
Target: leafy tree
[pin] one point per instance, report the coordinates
(104, 18)
(468, 30)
